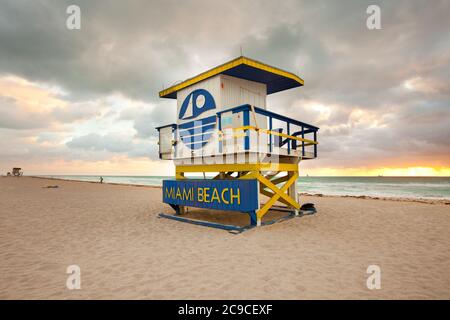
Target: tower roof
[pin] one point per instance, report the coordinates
(243, 68)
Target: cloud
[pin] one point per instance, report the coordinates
(133, 48)
(115, 143)
(145, 119)
(426, 85)
(380, 97)
(96, 142)
(77, 111)
(27, 105)
(13, 117)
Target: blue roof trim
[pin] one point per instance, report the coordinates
(274, 82)
(173, 125)
(244, 68)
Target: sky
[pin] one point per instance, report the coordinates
(86, 101)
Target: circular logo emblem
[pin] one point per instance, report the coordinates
(197, 102)
(196, 133)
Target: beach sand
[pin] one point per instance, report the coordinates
(125, 252)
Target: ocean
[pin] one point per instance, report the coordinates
(398, 187)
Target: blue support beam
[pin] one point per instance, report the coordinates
(288, 141)
(303, 142)
(315, 146)
(247, 123)
(270, 135)
(219, 119)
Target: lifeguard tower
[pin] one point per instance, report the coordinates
(17, 172)
(238, 150)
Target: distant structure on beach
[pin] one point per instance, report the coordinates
(223, 127)
(17, 172)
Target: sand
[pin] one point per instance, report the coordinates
(125, 252)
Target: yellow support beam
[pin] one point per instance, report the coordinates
(280, 179)
(180, 176)
(279, 193)
(250, 175)
(271, 194)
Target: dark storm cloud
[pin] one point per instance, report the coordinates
(116, 50)
(344, 62)
(132, 47)
(349, 67)
(397, 76)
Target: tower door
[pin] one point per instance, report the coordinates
(166, 148)
(250, 97)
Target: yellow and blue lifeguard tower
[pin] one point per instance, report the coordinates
(237, 149)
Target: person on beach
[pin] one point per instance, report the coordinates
(101, 179)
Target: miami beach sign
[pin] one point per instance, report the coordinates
(235, 195)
